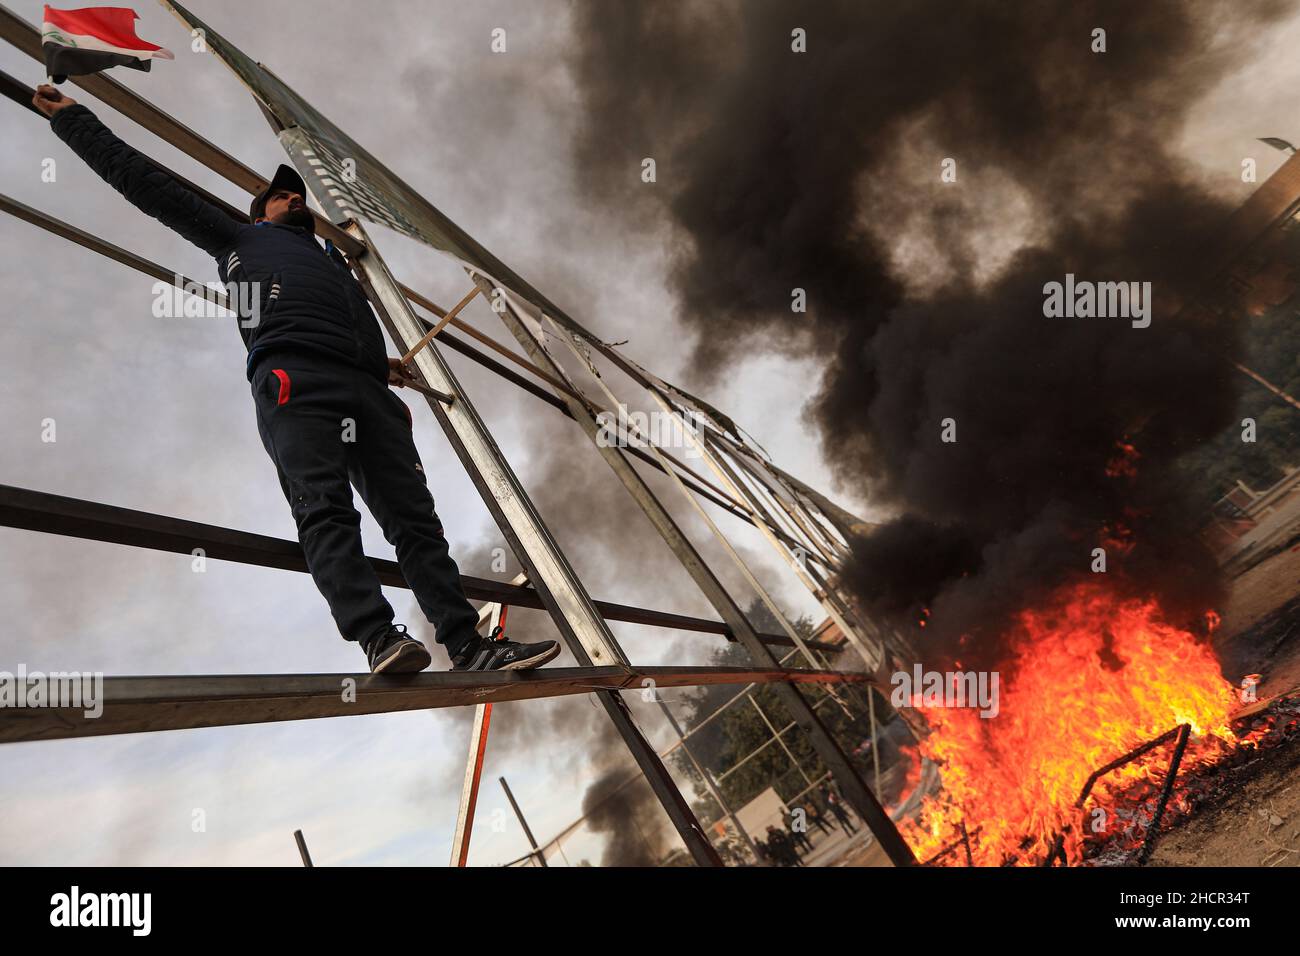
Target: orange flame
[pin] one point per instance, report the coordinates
(1089, 678)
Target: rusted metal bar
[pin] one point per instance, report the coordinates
(427, 391)
(19, 92)
(948, 848)
(1120, 761)
(965, 839)
(441, 324)
(478, 739)
(133, 705)
(1153, 831)
(110, 251)
(493, 615)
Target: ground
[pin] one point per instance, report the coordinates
(1256, 824)
(1256, 821)
(1260, 632)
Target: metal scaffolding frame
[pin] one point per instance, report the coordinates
(808, 530)
(712, 782)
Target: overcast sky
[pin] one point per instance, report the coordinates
(155, 414)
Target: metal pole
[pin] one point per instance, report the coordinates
(781, 741)
(797, 513)
(469, 789)
(519, 814)
(722, 540)
(493, 615)
(1153, 831)
(745, 473)
(709, 783)
(875, 750)
(302, 848)
(842, 521)
(134, 705)
(872, 656)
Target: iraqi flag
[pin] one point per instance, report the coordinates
(77, 42)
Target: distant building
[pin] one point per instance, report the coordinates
(1260, 248)
(1248, 524)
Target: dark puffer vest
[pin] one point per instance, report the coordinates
(308, 299)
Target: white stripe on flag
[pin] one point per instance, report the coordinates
(52, 34)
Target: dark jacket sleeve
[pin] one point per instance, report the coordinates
(147, 187)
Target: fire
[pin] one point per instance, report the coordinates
(1124, 462)
(911, 778)
(1089, 677)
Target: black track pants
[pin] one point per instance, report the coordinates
(327, 426)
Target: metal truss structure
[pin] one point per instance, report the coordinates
(810, 533)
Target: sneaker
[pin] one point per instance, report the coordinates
(497, 653)
(397, 653)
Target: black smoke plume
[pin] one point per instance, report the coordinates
(821, 170)
(627, 814)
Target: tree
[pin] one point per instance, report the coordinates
(1272, 348)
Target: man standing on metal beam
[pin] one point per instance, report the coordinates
(319, 374)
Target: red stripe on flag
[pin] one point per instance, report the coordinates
(113, 25)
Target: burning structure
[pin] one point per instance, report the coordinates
(916, 210)
(924, 186)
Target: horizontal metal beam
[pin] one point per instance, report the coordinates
(132, 705)
(107, 249)
(93, 521)
(19, 92)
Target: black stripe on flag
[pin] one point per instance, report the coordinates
(64, 61)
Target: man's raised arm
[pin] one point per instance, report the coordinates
(135, 176)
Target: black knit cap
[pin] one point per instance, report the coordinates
(286, 177)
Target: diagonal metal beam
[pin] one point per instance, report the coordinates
(873, 654)
(581, 627)
(528, 332)
(107, 249)
(528, 831)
